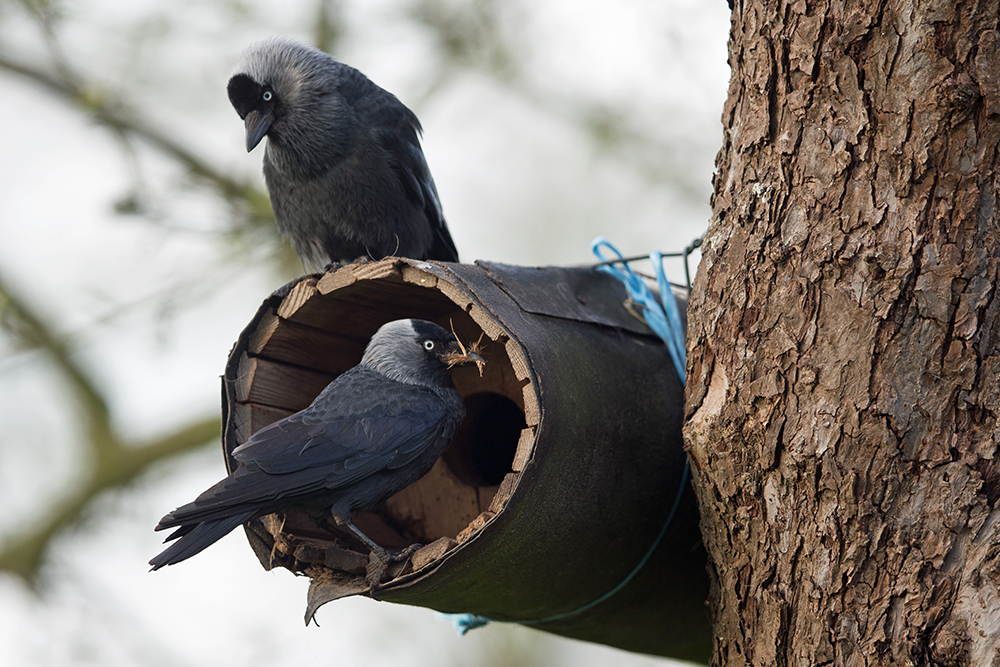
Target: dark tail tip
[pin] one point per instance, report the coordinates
(193, 539)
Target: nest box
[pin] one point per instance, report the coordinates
(554, 488)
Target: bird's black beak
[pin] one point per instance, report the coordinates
(457, 354)
(257, 124)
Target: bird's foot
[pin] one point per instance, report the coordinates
(405, 553)
(378, 563)
(332, 266)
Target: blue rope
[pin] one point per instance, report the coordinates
(662, 315)
(465, 622)
(664, 318)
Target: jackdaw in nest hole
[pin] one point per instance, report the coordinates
(343, 163)
(377, 428)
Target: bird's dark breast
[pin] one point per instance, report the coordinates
(356, 208)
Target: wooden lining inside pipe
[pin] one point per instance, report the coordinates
(301, 340)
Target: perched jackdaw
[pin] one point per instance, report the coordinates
(377, 428)
(343, 163)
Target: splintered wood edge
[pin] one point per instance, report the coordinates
(389, 268)
(430, 553)
(244, 377)
(477, 524)
(519, 362)
(413, 275)
(335, 280)
(266, 327)
(457, 296)
(505, 491)
(297, 297)
(525, 448)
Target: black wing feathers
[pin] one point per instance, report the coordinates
(328, 446)
(397, 131)
(335, 430)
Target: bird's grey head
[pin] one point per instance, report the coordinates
(416, 352)
(288, 92)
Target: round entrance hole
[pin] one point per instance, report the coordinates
(482, 451)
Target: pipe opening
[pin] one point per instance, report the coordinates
(482, 451)
(316, 333)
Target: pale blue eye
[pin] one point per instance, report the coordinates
(267, 96)
(428, 345)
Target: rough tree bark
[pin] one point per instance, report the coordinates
(843, 385)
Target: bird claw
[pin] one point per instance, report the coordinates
(378, 563)
(405, 553)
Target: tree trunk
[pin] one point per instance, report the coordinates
(843, 383)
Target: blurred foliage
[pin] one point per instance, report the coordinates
(115, 460)
(329, 26)
(477, 35)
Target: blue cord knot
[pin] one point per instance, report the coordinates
(465, 622)
(662, 315)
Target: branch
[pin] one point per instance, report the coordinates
(118, 116)
(32, 331)
(22, 555)
(115, 461)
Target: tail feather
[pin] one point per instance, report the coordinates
(192, 539)
(180, 532)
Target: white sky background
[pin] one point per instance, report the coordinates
(157, 301)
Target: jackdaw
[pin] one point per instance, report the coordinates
(343, 162)
(375, 429)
